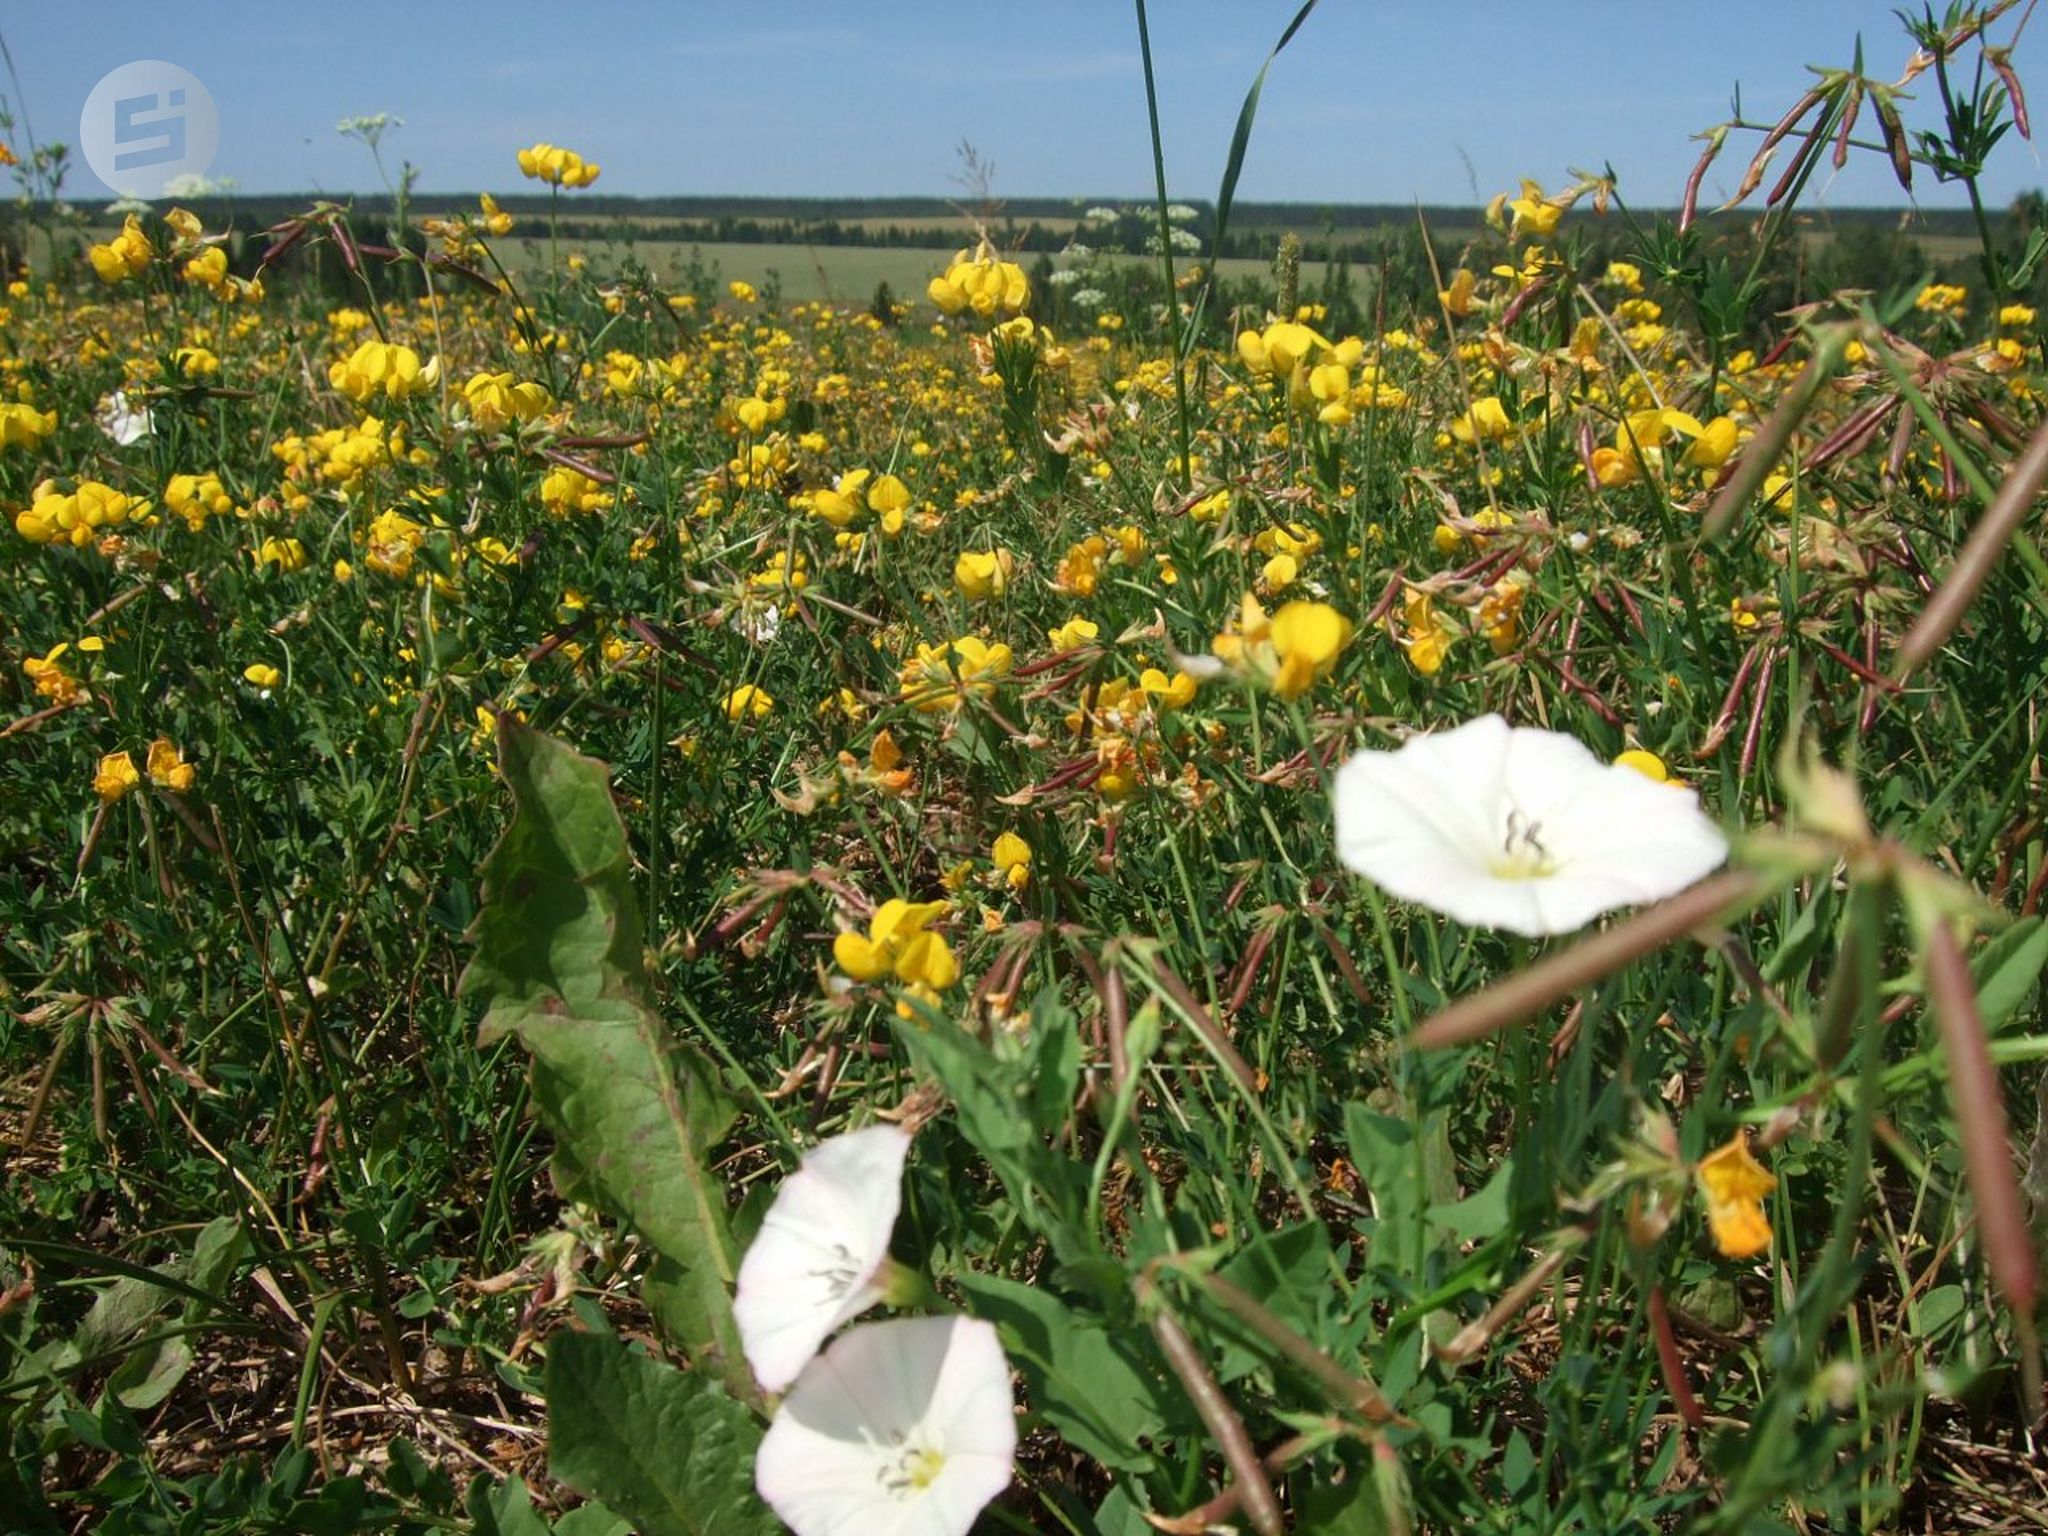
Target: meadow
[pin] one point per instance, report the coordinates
(637, 899)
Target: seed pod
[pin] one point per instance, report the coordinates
(1688, 207)
(2000, 60)
(1850, 112)
(1895, 142)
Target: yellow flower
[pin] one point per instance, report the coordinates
(556, 166)
(285, 554)
(747, 702)
(979, 575)
(194, 363)
(1533, 215)
(1715, 442)
(1072, 635)
(1734, 1184)
(899, 944)
(943, 676)
(981, 284)
(261, 676)
(1457, 299)
(51, 679)
(23, 426)
(1012, 858)
(1488, 418)
(167, 766)
(381, 368)
(889, 500)
(1288, 652)
(1277, 349)
(1941, 299)
(564, 490)
(127, 255)
(116, 777)
(1648, 764)
(79, 517)
(1427, 640)
(195, 498)
(497, 400)
(393, 539)
(842, 502)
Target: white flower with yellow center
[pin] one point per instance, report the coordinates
(815, 1262)
(902, 1428)
(1508, 827)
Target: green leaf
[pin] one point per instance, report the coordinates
(502, 1509)
(1384, 1152)
(592, 1519)
(635, 1111)
(1287, 1272)
(1233, 169)
(1082, 1378)
(150, 1374)
(2008, 969)
(117, 1314)
(993, 1100)
(669, 1451)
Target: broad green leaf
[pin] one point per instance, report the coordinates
(502, 1509)
(670, 1451)
(1347, 1498)
(559, 964)
(1384, 1152)
(117, 1314)
(1287, 1272)
(1481, 1214)
(592, 1519)
(150, 1374)
(1082, 1378)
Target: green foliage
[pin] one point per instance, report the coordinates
(668, 1449)
(560, 966)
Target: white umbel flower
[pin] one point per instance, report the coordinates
(901, 1428)
(1507, 827)
(815, 1261)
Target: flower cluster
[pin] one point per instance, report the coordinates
(556, 166)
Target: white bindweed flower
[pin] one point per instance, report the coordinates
(902, 1428)
(814, 1263)
(122, 422)
(1506, 827)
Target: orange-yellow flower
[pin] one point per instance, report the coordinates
(1735, 1184)
(167, 766)
(116, 776)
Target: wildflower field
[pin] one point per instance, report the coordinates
(1088, 907)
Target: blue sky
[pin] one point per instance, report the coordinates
(1373, 102)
